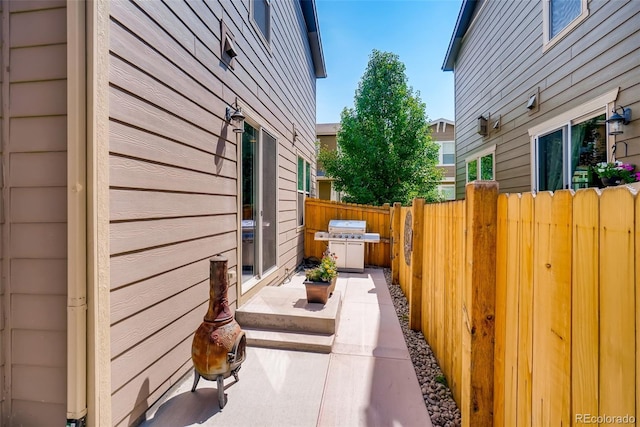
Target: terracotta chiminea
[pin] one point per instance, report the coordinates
(219, 344)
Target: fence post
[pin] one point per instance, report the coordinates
(396, 219)
(415, 289)
(478, 304)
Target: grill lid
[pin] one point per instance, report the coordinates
(347, 226)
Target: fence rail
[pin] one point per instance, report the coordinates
(529, 302)
(318, 213)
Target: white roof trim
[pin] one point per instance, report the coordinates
(436, 121)
(561, 119)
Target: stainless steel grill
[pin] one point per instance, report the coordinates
(346, 239)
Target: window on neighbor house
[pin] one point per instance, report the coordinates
(564, 156)
(448, 192)
(261, 14)
(259, 186)
(560, 16)
(481, 166)
(447, 153)
(304, 187)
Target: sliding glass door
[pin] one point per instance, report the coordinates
(550, 160)
(565, 156)
(269, 197)
(259, 204)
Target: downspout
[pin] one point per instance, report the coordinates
(76, 217)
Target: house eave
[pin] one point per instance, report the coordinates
(313, 33)
(436, 121)
(462, 25)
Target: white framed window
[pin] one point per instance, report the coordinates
(560, 17)
(565, 148)
(259, 185)
(447, 154)
(304, 187)
(261, 18)
(448, 192)
(481, 166)
(565, 156)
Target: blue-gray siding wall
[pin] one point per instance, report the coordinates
(501, 62)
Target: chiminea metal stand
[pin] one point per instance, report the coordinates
(219, 344)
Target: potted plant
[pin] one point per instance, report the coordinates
(616, 173)
(321, 280)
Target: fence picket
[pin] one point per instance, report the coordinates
(396, 244)
(617, 304)
(415, 289)
(449, 292)
(525, 312)
(585, 305)
(459, 259)
(503, 261)
(513, 249)
(440, 297)
(637, 302)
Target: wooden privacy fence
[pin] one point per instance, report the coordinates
(529, 302)
(318, 213)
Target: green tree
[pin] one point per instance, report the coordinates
(385, 152)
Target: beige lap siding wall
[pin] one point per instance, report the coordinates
(33, 283)
(174, 171)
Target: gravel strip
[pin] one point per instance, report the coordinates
(437, 397)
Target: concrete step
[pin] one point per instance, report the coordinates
(286, 309)
(316, 343)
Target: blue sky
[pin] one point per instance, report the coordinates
(418, 31)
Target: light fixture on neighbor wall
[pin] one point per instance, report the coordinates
(617, 121)
(228, 49)
(496, 123)
(234, 115)
(533, 101)
(482, 126)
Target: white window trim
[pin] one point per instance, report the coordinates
(244, 287)
(596, 106)
(477, 156)
(546, 30)
(451, 186)
(267, 43)
(441, 153)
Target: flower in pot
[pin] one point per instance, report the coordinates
(321, 280)
(615, 173)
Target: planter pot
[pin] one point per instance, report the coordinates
(319, 292)
(611, 182)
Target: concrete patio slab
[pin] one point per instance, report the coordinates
(372, 391)
(368, 379)
(369, 287)
(277, 388)
(370, 330)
